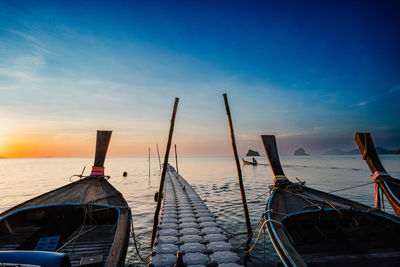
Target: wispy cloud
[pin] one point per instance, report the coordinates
(362, 103)
(38, 45)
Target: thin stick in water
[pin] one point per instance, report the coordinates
(149, 162)
(159, 159)
(176, 160)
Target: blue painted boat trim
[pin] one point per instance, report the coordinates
(391, 193)
(277, 238)
(307, 211)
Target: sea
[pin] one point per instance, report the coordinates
(215, 180)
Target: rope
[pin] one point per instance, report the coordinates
(135, 242)
(277, 212)
(333, 206)
(259, 234)
(78, 175)
(74, 238)
(251, 234)
(351, 187)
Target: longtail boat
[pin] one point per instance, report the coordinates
(309, 227)
(85, 223)
(245, 162)
(383, 181)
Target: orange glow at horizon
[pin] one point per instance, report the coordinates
(38, 146)
(83, 146)
(43, 149)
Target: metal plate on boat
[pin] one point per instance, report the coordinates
(87, 260)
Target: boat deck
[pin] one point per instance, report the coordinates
(88, 246)
(188, 226)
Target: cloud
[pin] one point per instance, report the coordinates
(15, 74)
(39, 47)
(362, 103)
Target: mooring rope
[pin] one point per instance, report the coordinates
(135, 242)
(252, 232)
(350, 187)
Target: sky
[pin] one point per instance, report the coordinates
(311, 72)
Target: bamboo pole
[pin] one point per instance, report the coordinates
(149, 162)
(239, 171)
(164, 170)
(176, 160)
(159, 159)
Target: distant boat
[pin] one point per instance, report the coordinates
(254, 162)
(85, 223)
(383, 181)
(309, 227)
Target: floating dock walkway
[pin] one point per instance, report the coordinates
(187, 226)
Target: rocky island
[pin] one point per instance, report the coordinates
(252, 153)
(301, 152)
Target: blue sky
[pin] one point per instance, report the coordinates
(312, 72)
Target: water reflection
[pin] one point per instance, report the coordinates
(214, 179)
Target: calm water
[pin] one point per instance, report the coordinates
(214, 179)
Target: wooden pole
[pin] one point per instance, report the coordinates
(159, 159)
(149, 162)
(164, 170)
(176, 160)
(242, 192)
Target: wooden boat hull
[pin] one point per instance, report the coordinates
(312, 228)
(90, 208)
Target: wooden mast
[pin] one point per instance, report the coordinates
(102, 142)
